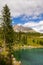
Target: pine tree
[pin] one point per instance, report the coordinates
(24, 39)
(8, 30)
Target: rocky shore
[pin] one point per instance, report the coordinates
(26, 47)
(15, 62)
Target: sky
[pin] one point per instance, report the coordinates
(28, 13)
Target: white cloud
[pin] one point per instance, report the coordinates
(38, 26)
(20, 24)
(19, 7)
(30, 24)
(28, 7)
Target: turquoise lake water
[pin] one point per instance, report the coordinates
(30, 56)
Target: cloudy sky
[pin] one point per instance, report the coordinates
(28, 13)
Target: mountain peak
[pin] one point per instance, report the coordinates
(18, 28)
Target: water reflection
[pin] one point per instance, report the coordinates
(30, 56)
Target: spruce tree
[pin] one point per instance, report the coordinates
(8, 30)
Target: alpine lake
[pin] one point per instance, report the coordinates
(30, 56)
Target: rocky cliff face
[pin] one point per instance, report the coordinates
(18, 28)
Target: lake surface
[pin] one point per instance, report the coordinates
(30, 56)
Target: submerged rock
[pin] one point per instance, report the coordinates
(15, 62)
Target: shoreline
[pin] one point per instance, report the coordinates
(26, 47)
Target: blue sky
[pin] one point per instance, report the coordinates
(28, 13)
(22, 19)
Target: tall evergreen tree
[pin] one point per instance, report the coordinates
(8, 30)
(24, 39)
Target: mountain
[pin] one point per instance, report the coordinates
(18, 28)
(27, 20)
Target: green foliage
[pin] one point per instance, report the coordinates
(19, 35)
(41, 42)
(4, 60)
(24, 40)
(8, 32)
(33, 41)
(37, 41)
